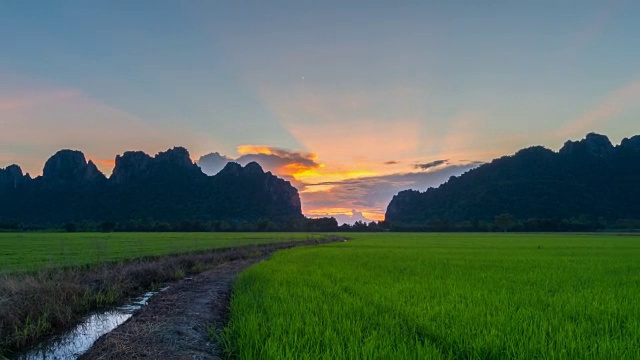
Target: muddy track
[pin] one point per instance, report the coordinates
(176, 323)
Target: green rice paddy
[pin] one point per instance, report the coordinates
(35, 251)
(442, 296)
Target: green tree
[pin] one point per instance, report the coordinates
(70, 227)
(504, 221)
(108, 226)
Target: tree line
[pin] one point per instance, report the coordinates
(505, 222)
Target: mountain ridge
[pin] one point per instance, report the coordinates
(590, 178)
(167, 187)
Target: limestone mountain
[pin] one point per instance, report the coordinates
(168, 187)
(12, 176)
(70, 168)
(589, 178)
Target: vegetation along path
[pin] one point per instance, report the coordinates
(175, 323)
(42, 299)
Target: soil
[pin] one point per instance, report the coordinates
(176, 323)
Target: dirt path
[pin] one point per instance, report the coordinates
(176, 322)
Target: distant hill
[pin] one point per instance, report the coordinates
(588, 179)
(168, 187)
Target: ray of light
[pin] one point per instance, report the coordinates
(617, 102)
(45, 121)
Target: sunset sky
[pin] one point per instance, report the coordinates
(352, 101)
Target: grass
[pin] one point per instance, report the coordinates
(36, 251)
(39, 298)
(442, 296)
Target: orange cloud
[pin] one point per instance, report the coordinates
(255, 149)
(299, 165)
(270, 150)
(377, 216)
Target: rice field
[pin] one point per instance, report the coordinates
(50, 281)
(36, 251)
(442, 296)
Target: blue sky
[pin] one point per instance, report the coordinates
(352, 85)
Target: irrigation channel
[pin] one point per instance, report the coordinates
(172, 323)
(74, 343)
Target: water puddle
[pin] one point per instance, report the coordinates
(75, 342)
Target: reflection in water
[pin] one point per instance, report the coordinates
(74, 343)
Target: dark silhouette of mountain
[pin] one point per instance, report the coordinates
(12, 176)
(168, 187)
(587, 179)
(69, 169)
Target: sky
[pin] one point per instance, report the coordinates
(352, 101)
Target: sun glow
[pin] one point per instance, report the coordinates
(255, 149)
(320, 179)
(104, 165)
(369, 214)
